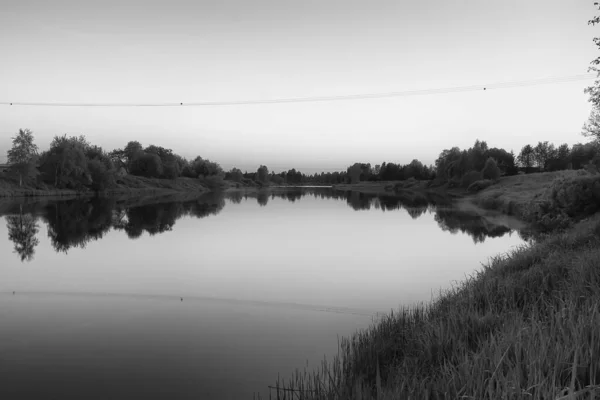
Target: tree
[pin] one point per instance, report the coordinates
(147, 164)
(235, 175)
(123, 158)
(22, 155)
(491, 170)
(354, 172)
(594, 90)
(525, 157)
(591, 128)
(262, 174)
(541, 153)
(102, 178)
(65, 163)
(205, 168)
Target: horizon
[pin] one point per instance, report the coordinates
(233, 51)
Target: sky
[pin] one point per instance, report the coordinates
(146, 51)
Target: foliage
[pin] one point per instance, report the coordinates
(470, 177)
(22, 155)
(591, 128)
(205, 168)
(234, 175)
(541, 153)
(354, 172)
(480, 185)
(213, 181)
(102, 177)
(526, 157)
(147, 164)
(262, 174)
(594, 90)
(490, 170)
(65, 163)
(566, 200)
(124, 157)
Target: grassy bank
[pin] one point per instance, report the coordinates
(526, 326)
(549, 200)
(128, 185)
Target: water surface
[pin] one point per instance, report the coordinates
(213, 295)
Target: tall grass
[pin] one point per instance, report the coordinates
(525, 327)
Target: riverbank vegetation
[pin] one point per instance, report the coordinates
(523, 327)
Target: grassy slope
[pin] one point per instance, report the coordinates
(526, 326)
(512, 194)
(130, 185)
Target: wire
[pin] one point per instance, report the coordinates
(421, 92)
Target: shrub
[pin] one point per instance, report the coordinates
(470, 177)
(567, 199)
(213, 181)
(491, 170)
(102, 178)
(148, 165)
(480, 185)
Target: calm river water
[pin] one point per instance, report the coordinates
(214, 296)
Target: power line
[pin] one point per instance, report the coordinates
(364, 96)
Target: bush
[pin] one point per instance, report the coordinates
(148, 165)
(491, 170)
(470, 177)
(102, 178)
(480, 185)
(171, 170)
(566, 200)
(213, 181)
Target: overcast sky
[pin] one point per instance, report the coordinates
(146, 51)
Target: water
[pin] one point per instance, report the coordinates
(213, 297)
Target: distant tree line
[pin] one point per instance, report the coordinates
(71, 162)
(546, 157)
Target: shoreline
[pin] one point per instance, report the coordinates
(496, 334)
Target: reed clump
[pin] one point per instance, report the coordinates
(527, 326)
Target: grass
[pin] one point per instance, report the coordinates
(512, 194)
(524, 327)
(134, 185)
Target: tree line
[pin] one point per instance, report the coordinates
(72, 162)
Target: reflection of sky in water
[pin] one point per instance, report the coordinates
(96, 347)
(315, 252)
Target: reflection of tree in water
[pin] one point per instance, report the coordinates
(416, 212)
(451, 220)
(262, 198)
(160, 218)
(235, 197)
(22, 230)
(74, 223)
(155, 218)
(454, 221)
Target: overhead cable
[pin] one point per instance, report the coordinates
(363, 96)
